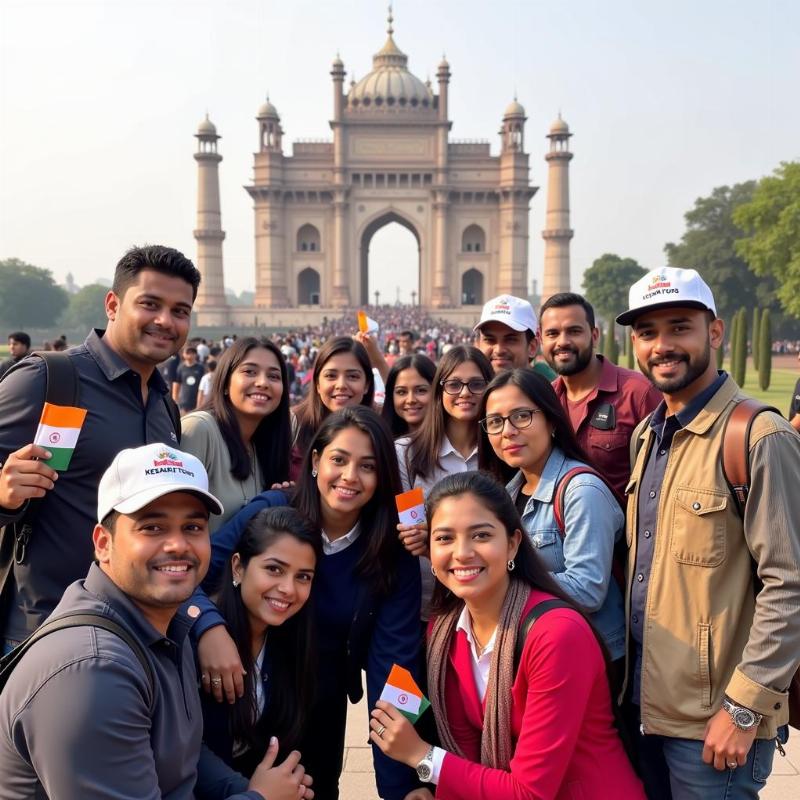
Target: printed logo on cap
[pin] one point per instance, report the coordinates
(658, 280)
(167, 459)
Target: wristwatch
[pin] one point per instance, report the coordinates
(743, 718)
(425, 767)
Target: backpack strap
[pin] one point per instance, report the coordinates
(174, 414)
(561, 490)
(76, 620)
(736, 448)
(62, 385)
(528, 622)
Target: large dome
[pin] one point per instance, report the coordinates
(390, 84)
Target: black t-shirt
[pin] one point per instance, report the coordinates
(188, 375)
(794, 408)
(521, 501)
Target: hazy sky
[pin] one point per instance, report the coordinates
(99, 101)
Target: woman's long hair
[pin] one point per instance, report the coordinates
(290, 646)
(539, 391)
(272, 438)
(425, 367)
(423, 452)
(311, 411)
(378, 518)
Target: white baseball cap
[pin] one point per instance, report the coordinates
(139, 475)
(668, 286)
(518, 314)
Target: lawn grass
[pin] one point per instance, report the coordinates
(781, 385)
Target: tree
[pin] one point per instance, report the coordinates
(87, 308)
(631, 360)
(607, 281)
(771, 223)
(732, 338)
(612, 346)
(709, 245)
(765, 356)
(756, 332)
(29, 297)
(739, 366)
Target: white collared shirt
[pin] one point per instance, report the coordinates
(342, 543)
(480, 672)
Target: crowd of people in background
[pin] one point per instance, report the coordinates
(202, 558)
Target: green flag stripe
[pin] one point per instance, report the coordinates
(61, 458)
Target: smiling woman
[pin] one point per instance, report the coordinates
(242, 436)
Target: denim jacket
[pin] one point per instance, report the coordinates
(581, 561)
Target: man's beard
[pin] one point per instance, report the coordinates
(582, 360)
(694, 369)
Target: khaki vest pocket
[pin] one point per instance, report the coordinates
(699, 527)
(704, 655)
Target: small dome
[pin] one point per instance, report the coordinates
(206, 128)
(559, 126)
(266, 109)
(337, 62)
(514, 109)
(444, 64)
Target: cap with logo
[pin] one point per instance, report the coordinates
(668, 286)
(139, 475)
(515, 312)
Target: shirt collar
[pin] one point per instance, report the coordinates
(547, 482)
(688, 413)
(446, 448)
(342, 542)
(112, 364)
(465, 624)
(609, 375)
(101, 586)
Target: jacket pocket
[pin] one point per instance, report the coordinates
(547, 543)
(608, 440)
(699, 527)
(704, 662)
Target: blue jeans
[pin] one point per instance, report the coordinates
(674, 768)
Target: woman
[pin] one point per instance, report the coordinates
(544, 729)
(408, 394)
(342, 377)
(242, 436)
(525, 431)
(263, 598)
(366, 589)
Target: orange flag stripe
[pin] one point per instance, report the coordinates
(401, 678)
(409, 499)
(63, 416)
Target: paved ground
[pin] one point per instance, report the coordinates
(358, 782)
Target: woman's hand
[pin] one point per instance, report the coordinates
(283, 486)
(414, 538)
(286, 781)
(419, 794)
(221, 670)
(395, 735)
(374, 352)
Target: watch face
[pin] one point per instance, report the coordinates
(744, 718)
(424, 771)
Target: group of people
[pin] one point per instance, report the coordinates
(589, 607)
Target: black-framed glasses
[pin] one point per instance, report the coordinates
(519, 418)
(455, 386)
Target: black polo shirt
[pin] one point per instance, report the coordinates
(664, 429)
(60, 549)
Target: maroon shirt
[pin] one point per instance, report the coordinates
(604, 420)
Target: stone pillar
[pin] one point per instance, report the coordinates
(340, 297)
(441, 297)
(557, 232)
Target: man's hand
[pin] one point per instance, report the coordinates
(221, 670)
(419, 794)
(287, 781)
(725, 745)
(395, 735)
(25, 476)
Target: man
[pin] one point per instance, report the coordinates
(187, 381)
(405, 342)
(79, 716)
(148, 310)
(603, 401)
(712, 597)
(19, 345)
(794, 408)
(507, 335)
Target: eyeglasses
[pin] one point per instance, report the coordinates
(519, 418)
(453, 386)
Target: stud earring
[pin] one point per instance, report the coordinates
(313, 473)
(235, 583)
(511, 565)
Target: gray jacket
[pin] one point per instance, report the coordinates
(75, 719)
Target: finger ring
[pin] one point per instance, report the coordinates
(216, 681)
(381, 731)
(732, 765)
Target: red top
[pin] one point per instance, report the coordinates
(632, 396)
(565, 743)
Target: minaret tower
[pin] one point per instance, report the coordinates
(557, 232)
(515, 195)
(441, 272)
(340, 294)
(211, 302)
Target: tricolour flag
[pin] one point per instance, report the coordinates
(367, 324)
(402, 692)
(411, 507)
(58, 431)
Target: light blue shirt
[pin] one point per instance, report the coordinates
(581, 561)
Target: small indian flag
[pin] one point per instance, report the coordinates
(367, 324)
(402, 692)
(58, 431)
